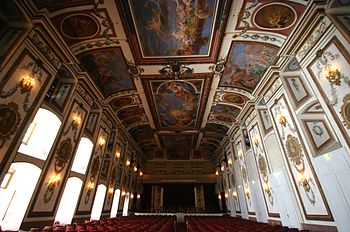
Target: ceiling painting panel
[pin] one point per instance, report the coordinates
(108, 70)
(178, 104)
(266, 15)
(141, 133)
(84, 25)
(246, 63)
(121, 102)
(174, 28)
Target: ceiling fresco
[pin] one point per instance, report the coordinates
(246, 63)
(274, 16)
(177, 103)
(175, 72)
(108, 70)
(186, 29)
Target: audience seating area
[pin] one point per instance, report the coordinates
(122, 224)
(229, 224)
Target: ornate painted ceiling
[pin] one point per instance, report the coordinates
(176, 72)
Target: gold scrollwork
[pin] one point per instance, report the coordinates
(294, 151)
(345, 110)
(9, 121)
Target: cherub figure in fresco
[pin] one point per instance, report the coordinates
(158, 23)
(190, 23)
(279, 18)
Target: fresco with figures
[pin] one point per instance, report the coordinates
(107, 69)
(177, 102)
(173, 27)
(246, 63)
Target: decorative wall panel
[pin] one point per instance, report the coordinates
(263, 171)
(245, 178)
(331, 73)
(306, 184)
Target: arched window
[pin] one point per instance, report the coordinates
(15, 193)
(98, 203)
(69, 201)
(126, 205)
(40, 134)
(82, 156)
(115, 203)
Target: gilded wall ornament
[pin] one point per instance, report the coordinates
(63, 154)
(345, 110)
(264, 172)
(294, 152)
(95, 166)
(9, 121)
(334, 76)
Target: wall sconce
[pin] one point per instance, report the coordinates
(240, 153)
(138, 196)
(110, 190)
(333, 75)
(134, 167)
(222, 168)
(141, 172)
(216, 172)
(123, 193)
(303, 180)
(247, 192)
(76, 121)
(53, 182)
(256, 140)
(132, 196)
(226, 195)
(27, 83)
(117, 154)
(267, 188)
(91, 186)
(281, 119)
(234, 194)
(219, 196)
(101, 141)
(127, 163)
(229, 161)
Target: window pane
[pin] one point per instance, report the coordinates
(82, 156)
(40, 135)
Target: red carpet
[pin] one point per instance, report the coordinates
(181, 227)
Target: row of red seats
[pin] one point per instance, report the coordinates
(121, 224)
(216, 224)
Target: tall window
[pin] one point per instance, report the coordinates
(15, 193)
(82, 156)
(69, 201)
(98, 203)
(40, 134)
(115, 203)
(126, 204)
